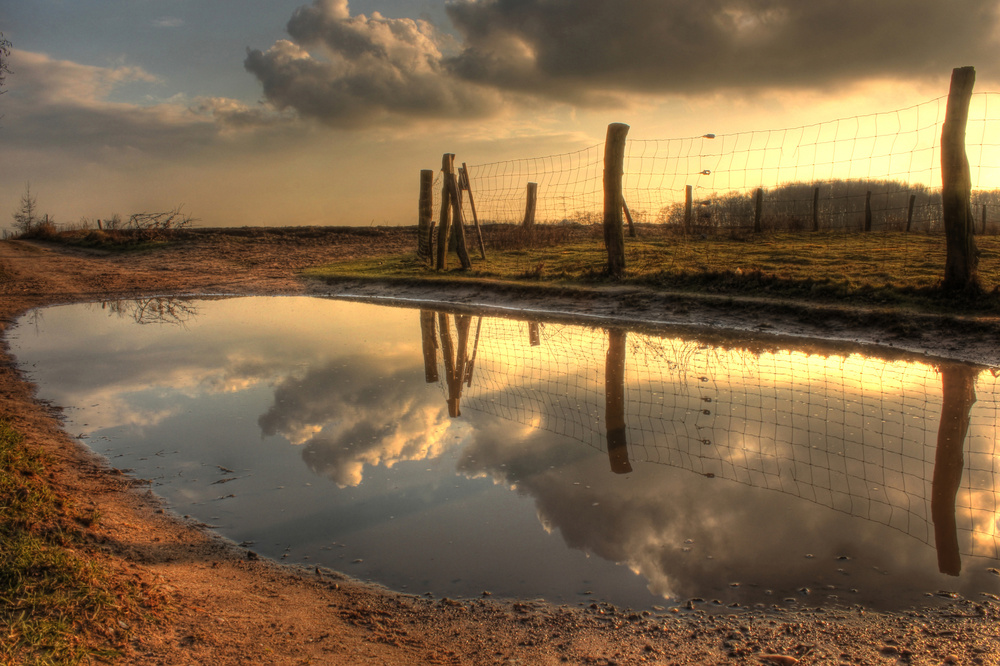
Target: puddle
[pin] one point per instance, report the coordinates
(454, 454)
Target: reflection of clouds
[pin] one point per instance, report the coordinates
(356, 413)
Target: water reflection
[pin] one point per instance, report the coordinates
(697, 464)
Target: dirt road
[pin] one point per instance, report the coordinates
(218, 604)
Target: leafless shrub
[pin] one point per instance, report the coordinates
(155, 226)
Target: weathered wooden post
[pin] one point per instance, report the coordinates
(868, 210)
(688, 208)
(758, 209)
(465, 182)
(628, 218)
(444, 223)
(961, 259)
(425, 211)
(457, 219)
(534, 334)
(909, 211)
(816, 209)
(614, 200)
(531, 198)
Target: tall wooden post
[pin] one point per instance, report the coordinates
(688, 208)
(758, 209)
(909, 211)
(424, 213)
(961, 260)
(614, 200)
(868, 210)
(444, 223)
(816, 209)
(530, 199)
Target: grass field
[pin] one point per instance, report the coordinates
(891, 268)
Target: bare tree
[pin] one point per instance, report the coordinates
(4, 62)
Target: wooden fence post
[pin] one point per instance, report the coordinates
(688, 206)
(458, 221)
(909, 211)
(531, 198)
(816, 209)
(425, 212)
(758, 209)
(628, 218)
(868, 210)
(614, 200)
(466, 184)
(444, 224)
(961, 261)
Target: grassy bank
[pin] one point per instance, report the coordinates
(892, 269)
(58, 604)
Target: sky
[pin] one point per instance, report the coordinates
(285, 112)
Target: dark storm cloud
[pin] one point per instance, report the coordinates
(356, 70)
(574, 47)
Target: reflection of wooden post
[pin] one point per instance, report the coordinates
(534, 337)
(424, 213)
(614, 411)
(429, 341)
(472, 359)
(816, 209)
(958, 387)
(531, 198)
(961, 260)
(454, 363)
(614, 200)
(444, 224)
(909, 211)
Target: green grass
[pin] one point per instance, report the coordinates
(57, 605)
(891, 269)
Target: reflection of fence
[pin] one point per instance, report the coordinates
(818, 174)
(860, 435)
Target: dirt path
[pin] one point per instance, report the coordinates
(225, 606)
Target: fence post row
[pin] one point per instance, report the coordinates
(961, 262)
(614, 200)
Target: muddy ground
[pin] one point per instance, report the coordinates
(222, 605)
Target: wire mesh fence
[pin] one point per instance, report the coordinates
(825, 174)
(906, 444)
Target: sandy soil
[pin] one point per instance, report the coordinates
(223, 605)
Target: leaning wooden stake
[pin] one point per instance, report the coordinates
(961, 260)
(909, 211)
(628, 218)
(466, 184)
(614, 200)
(459, 225)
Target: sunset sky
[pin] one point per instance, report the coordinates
(276, 112)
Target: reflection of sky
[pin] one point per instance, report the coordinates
(222, 412)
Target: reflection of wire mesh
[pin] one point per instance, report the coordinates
(856, 434)
(894, 155)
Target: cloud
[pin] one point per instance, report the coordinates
(572, 49)
(369, 70)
